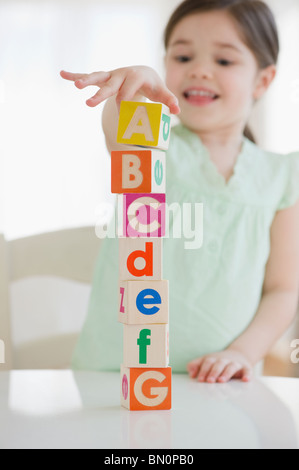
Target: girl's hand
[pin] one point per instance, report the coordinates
(221, 367)
(125, 83)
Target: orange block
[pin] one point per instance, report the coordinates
(138, 171)
(146, 389)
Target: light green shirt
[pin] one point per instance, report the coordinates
(215, 290)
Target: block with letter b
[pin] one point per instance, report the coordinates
(138, 171)
(140, 259)
(145, 124)
(146, 346)
(143, 302)
(141, 215)
(146, 389)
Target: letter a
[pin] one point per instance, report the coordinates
(139, 124)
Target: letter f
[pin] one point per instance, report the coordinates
(143, 341)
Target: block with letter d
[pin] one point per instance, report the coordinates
(138, 171)
(141, 215)
(143, 302)
(146, 389)
(145, 124)
(146, 346)
(140, 259)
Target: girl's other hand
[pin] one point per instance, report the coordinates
(221, 367)
(125, 83)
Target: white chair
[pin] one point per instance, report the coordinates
(45, 268)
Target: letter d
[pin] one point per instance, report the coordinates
(147, 255)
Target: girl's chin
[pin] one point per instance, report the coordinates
(197, 125)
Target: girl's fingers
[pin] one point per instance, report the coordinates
(247, 374)
(129, 84)
(229, 372)
(216, 371)
(71, 76)
(83, 80)
(193, 367)
(205, 368)
(170, 100)
(163, 95)
(129, 89)
(106, 91)
(92, 79)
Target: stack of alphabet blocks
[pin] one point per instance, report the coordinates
(138, 176)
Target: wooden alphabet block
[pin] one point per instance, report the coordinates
(140, 259)
(143, 302)
(146, 124)
(146, 346)
(138, 171)
(146, 389)
(141, 215)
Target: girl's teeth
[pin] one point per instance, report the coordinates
(200, 93)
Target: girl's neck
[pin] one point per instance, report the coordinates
(224, 149)
(222, 140)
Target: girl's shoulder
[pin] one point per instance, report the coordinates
(277, 171)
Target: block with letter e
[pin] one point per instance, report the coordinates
(143, 302)
(144, 124)
(146, 346)
(146, 389)
(141, 215)
(138, 171)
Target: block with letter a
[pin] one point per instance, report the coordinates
(143, 302)
(138, 171)
(141, 215)
(146, 389)
(146, 124)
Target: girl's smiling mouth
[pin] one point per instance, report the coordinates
(200, 96)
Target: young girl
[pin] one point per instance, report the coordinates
(235, 296)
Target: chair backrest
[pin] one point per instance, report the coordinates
(68, 255)
(5, 332)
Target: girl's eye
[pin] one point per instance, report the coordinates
(182, 58)
(224, 62)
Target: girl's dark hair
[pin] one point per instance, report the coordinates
(254, 20)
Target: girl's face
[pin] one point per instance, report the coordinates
(212, 72)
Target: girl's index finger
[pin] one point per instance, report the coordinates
(71, 76)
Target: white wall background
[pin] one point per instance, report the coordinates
(54, 168)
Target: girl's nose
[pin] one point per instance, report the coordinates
(200, 70)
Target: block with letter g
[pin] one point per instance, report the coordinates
(146, 389)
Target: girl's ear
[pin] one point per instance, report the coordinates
(264, 80)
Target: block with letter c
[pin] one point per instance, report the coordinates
(146, 389)
(141, 215)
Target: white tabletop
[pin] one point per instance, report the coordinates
(63, 409)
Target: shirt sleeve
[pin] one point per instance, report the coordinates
(291, 190)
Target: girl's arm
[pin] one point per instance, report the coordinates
(276, 311)
(124, 84)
